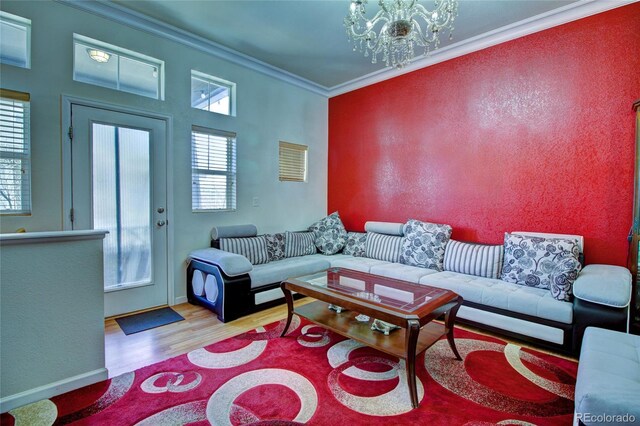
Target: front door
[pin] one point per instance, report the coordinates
(119, 184)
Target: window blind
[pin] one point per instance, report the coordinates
(213, 169)
(293, 162)
(15, 153)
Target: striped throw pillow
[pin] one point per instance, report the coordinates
(474, 259)
(299, 244)
(253, 248)
(383, 247)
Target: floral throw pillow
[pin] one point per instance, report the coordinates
(275, 246)
(330, 234)
(356, 244)
(424, 243)
(548, 263)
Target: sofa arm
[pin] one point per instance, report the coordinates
(604, 285)
(230, 263)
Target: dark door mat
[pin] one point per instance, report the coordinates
(148, 320)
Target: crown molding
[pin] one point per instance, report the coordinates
(153, 26)
(553, 18)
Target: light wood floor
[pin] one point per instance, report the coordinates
(200, 328)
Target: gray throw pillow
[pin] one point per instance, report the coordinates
(330, 235)
(253, 248)
(548, 263)
(424, 244)
(356, 244)
(298, 244)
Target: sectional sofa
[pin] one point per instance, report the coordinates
(233, 285)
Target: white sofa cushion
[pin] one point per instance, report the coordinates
(362, 264)
(388, 228)
(532, 301)
(280, 270)
(401, 272)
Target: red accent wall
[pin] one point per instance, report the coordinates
(536, 134)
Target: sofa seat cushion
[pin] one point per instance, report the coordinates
(503, 295)
(401, 272)
(329, 257)
(280, 270)
(608, 375)
(362, 264)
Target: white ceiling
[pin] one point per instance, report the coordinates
(306, 38)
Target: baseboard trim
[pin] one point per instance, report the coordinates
(179, 300)
(52, 389)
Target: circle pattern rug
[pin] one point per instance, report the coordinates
(316, 377)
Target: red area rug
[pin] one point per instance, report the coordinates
(316, 377)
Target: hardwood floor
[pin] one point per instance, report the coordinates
(200, 328)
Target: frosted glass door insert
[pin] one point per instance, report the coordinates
(122, 202)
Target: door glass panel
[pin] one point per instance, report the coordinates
(121, 202)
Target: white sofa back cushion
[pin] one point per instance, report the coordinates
(383, 247)
(474, 259)
(387, 228)
(232, 231)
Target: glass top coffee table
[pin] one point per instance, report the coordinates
(409, 307)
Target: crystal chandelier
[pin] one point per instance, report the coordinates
(397, 27)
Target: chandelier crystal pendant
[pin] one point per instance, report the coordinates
(398, 27)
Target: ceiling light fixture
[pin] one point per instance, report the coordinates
(98, 55)
(397, 27)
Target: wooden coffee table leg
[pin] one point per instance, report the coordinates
(413, 329)
(289, 297)
(449, 321)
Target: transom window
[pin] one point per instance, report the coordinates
(15, 40)
(212, 94)
(213, 170)
(106, 65)
(15, 153)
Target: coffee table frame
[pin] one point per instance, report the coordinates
(417, 332)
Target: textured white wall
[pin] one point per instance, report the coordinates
(51, 315)
(268, 110)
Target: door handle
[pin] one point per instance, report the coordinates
(161, 223)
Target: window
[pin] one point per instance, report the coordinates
(293, 162)
(213, 170)
(106, 65)
(212, 94)
(15, 40)
(15, 153)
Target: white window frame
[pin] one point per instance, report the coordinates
(119, 52)
(24, 157)
(25, 23)
(285, 173)
(230, 173)
(219, 82)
